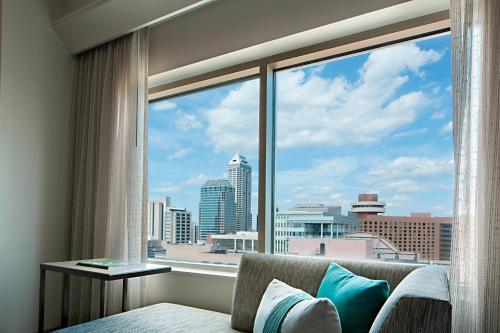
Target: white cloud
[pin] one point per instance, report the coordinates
(183, 152)
(314, 110)
(410, 167)
(438, 115)
(403, 185)
(236, 120)
(318, 176)
(200, 179)
(317, 184)
(163, 105)
(447, 128)
(167, 187)
(398, 201)
(418, 131)
(186, 121)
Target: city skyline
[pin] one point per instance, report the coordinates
(406, 157)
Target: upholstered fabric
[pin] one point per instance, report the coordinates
(391, 272)
(420, 303)
(357, 299)
(165, 317)
(290, 310)
(256, 271)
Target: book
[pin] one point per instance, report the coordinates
(102, 263)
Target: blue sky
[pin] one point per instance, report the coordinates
(378, 122)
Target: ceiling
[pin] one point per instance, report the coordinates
(190, 37)
(83, 24)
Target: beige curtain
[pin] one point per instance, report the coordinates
(475, 265)
(109, 179)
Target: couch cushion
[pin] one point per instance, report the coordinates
(164, 317)
(357, 299)
(256, 271)
(287, 309)
(420, 303)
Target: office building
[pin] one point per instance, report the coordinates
(420, 232)
(178, 228)
(310, 224)
(156, 217)
(316, 208)
(217, 208)
(155, 248)
(241, 241)
(239, 174)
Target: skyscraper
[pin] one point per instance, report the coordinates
(217, 208)
(156, 217)
(239, 174)
(177, 226)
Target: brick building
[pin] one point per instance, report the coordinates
(420, 232)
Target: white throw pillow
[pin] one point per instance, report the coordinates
(294, 311)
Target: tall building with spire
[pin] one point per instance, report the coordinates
(239, 174)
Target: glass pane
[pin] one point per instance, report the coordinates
(364, 164)
(203, 167)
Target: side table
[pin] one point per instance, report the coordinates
(68, 268)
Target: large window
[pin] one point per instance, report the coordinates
(203, 167)
(364, 160)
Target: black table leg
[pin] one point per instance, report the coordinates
(102, 301)
(65, 301)
(41, 301)
(124, 295)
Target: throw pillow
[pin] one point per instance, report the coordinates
(357, 299)
(289, 310)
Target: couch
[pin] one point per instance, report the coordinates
(419, 299)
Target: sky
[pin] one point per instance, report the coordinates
(377, 122)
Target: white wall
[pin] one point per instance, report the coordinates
(35, 95)
(229, 25)
(204, 291)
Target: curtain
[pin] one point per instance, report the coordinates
(109, 172)
(475, 263)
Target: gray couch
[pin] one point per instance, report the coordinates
(419, 300)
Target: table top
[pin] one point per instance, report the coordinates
(114, 273)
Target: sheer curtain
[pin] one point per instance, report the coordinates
(109, 175)
(475, 265)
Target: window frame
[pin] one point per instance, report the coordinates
(265, 69)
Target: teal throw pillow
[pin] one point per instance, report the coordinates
(357, 299)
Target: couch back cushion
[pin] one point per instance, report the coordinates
(256, 271)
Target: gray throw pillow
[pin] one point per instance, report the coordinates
(289, 310)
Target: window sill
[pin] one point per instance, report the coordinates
(195, 268)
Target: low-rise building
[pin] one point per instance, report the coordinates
(312, 223)
(242, 241)
(356, 245)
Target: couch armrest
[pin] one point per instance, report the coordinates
(420, 303)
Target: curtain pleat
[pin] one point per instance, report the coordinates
(109, 171)
(475, 262)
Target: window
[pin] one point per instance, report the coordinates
(367, 138)
(203, 167)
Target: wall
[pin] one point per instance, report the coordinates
(228, 25)
(35, 96)
(211, 292)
